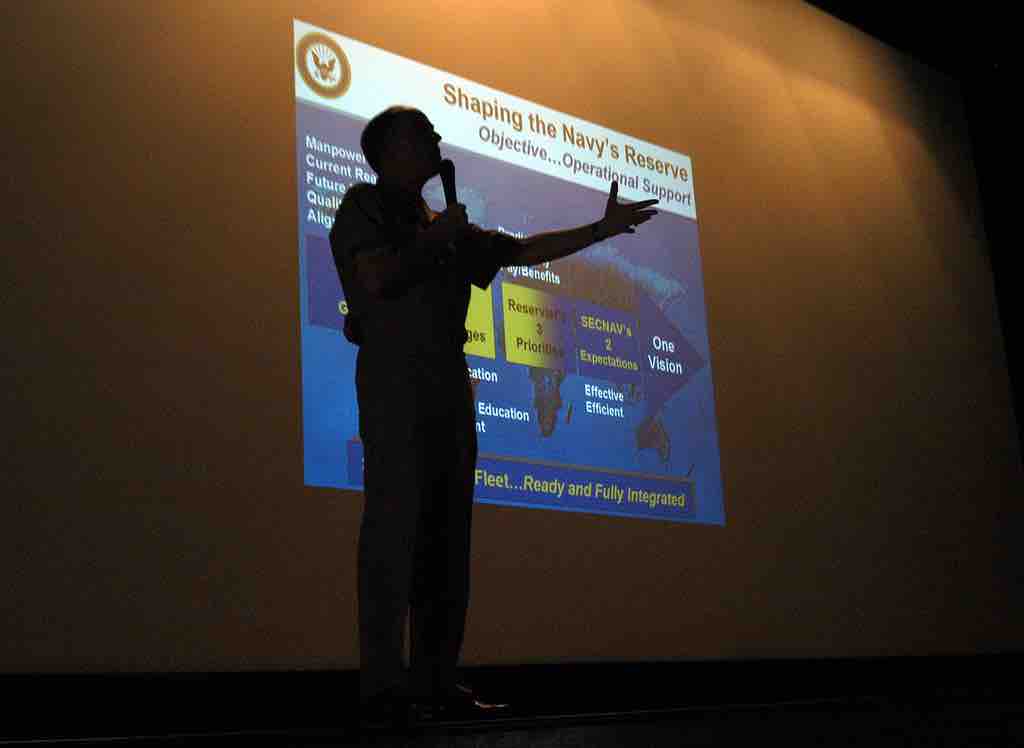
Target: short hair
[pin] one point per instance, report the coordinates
(377, 134)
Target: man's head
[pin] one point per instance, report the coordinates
(401, 144)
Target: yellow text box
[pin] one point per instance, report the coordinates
(538, 328)
(480, 323)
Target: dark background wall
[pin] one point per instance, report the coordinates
(154, 516)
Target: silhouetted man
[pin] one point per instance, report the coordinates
(406, 273)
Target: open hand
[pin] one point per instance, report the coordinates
(622, 218)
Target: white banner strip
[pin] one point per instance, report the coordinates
(353, 78)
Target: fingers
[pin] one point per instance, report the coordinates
(628, 215)
(639, 205)
(613, 196)
(637, 218)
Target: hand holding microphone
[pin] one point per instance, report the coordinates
(450, 225)
(453, 223)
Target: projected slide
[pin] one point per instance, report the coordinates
(592, 374)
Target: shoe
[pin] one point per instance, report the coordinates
(388, 710)
(461, 703)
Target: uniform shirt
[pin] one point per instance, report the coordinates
(427, 314)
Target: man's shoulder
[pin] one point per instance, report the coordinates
(360, 190)
(361, 201)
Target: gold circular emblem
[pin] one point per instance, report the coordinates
(323, 65)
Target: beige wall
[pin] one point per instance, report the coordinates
(155, 517)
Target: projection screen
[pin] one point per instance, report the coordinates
(592, 374)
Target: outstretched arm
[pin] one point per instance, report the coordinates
(619, 218)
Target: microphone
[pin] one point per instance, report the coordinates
(448, 180)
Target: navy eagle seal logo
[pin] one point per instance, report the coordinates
(323, 65)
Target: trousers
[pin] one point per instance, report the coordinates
(418, 428)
